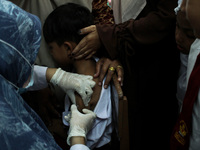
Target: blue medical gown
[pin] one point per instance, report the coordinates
(20, 127)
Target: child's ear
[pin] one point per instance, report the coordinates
(68, 46)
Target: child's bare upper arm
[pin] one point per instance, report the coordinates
(94, 98)
(96, 90)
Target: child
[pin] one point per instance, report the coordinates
(193, 14)
(184, 38)
(186, 134)
(61, 34)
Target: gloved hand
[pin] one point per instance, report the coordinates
(80, 123)
(71, 82)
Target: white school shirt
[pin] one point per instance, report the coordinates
(195, 135)
(182, 81)
(100, 134)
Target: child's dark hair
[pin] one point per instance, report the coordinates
(64, 23)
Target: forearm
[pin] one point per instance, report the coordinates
(49, 73)
(154, 24)
(157, 23)
(77, 140)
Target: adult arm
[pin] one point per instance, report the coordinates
(121, 41)
(68, 82)
(153, 25)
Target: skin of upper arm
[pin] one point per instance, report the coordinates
(93, 101)
(96, 92)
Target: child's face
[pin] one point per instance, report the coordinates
(60, 54)
(193, 15)
(184, 33)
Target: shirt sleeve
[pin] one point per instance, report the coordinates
(79, 146)
(40, 81)
(155, 23)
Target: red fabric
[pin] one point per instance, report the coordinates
(182, 130)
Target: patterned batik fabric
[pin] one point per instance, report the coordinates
(102, 13)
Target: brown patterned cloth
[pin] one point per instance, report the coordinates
(147, 50)
(102, 13)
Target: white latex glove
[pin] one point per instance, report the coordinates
(80, 123)
(71, 82)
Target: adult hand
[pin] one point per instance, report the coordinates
(71, 82)
(80, 123)
(114, 70)
(89, 45)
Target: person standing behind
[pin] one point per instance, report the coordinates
(20, 126)
(147, 49)
(186, 134)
